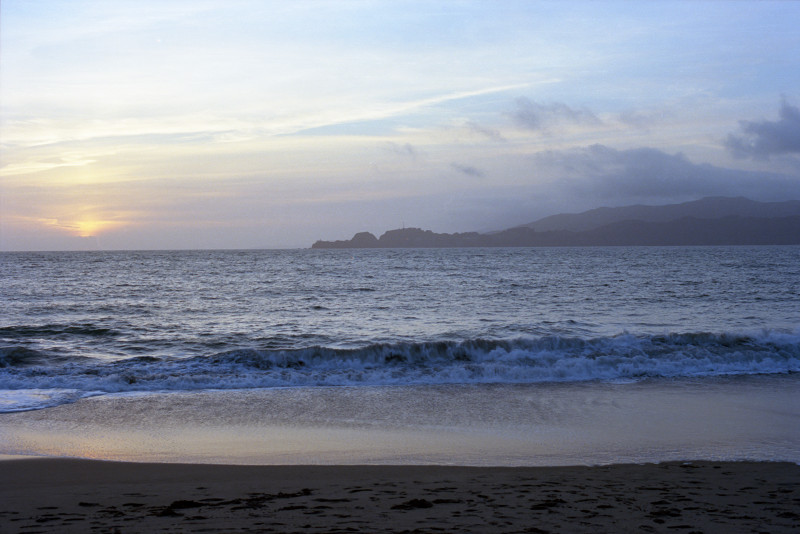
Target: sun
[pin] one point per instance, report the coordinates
(92, 227)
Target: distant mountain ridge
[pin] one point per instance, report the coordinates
(705, 208)
(708, 221)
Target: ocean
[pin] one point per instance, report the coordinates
(518, 356)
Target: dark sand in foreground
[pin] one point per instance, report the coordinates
(59, 495)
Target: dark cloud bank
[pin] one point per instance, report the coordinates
(762, 139)
(649, 174)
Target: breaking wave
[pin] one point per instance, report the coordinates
(28, 375)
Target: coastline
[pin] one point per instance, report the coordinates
(68, 495)
(749, 418)
(688, 455)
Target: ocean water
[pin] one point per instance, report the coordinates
(145, 331)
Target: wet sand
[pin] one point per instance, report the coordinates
(64, 495)
(593, 423)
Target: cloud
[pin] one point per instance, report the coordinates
(492, 134)
(637, 119)
(406, 149)
(649, 174)
(468, 170)
(539, 117)
(763, 139)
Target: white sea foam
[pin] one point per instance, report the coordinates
(533, 360)
(20, 400)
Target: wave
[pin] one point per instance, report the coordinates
(31, 331)
(15, 356)
(22, 400)
(529, 360)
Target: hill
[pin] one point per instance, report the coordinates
(705, 208)
(708, 221)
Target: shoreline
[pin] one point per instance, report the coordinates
(752, 418)
(75, 495)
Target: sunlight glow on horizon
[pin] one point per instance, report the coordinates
(93, 227)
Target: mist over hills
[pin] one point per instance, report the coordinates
(708, 221)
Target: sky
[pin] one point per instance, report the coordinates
(175, 124)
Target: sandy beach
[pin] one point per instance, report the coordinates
(411, 459)
(594, 423)
(63, 495)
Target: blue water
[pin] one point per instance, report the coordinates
(77, 324)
